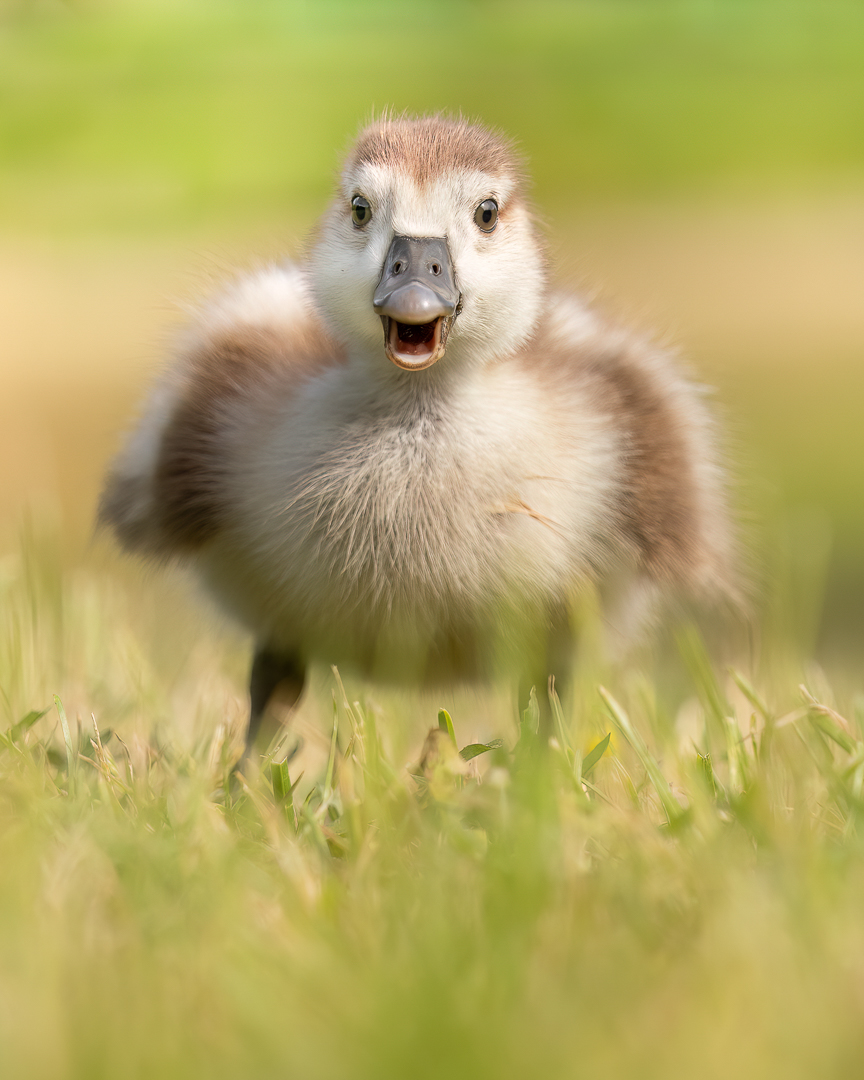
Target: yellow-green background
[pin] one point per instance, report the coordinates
(698, 165)
(696, 909)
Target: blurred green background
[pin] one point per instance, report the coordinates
(698, 166)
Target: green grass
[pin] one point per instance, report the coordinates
(683, 898)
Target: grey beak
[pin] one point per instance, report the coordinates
(417, 284)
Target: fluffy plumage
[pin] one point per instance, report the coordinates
(421, 523)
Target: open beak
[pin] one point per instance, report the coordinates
(417, 300)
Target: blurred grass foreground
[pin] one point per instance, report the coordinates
(648, 893)
(674, 885)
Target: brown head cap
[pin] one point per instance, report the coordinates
(426, 146)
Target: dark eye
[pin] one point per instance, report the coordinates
(486, 215)
(361, 211)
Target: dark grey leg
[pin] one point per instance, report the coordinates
(271, 671)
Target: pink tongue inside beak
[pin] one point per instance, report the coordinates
(415, 340)
(414, 345)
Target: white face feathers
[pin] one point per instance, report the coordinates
(490, 257)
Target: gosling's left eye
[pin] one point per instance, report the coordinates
(486, 215)
(361, 211)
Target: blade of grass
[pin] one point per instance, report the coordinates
(331, 761)
(695, 657)
(473, 750)
(281, 780)
(558, 716)
(64, 724)
(572, 759)
(530, 724)
(752, 696)
(735, 756)
(445, 722)
(283, 790)
(829, 722)
(594, 755)
(671, 807)
(707, 771)
(25, 724)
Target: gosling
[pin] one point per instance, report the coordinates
(408, 456)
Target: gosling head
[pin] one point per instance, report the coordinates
(428, 249)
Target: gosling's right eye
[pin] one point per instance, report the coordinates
(361, 211)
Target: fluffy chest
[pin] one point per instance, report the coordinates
(412, 508)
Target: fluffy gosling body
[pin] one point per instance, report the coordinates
(409, 456)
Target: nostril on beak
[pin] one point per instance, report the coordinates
(397, 268)
(435, 268)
